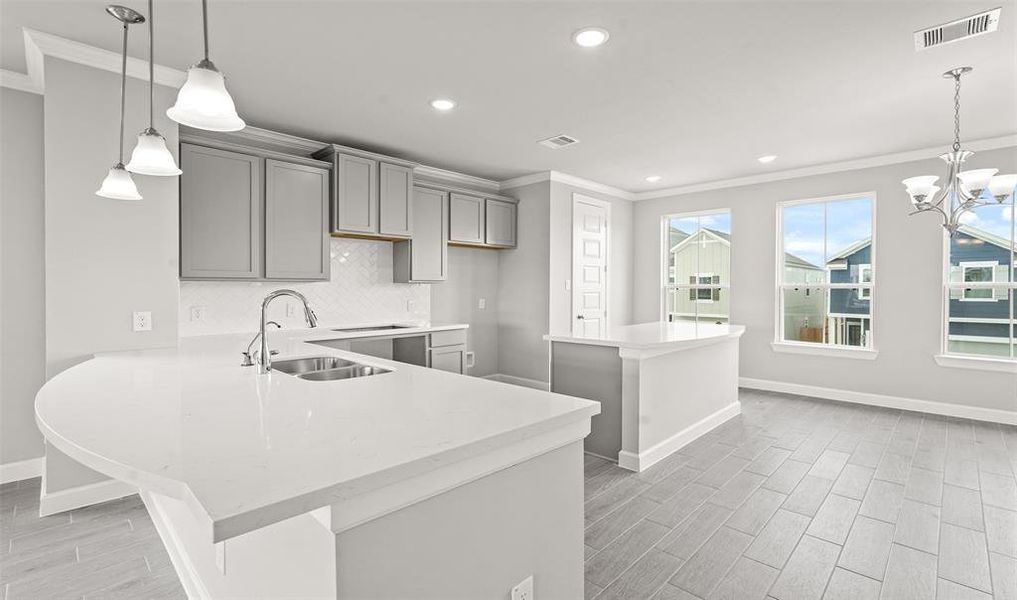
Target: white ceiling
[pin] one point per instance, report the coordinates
(691, 91)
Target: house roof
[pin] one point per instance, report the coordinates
(846, 252)
(790, 260)
(986, 236)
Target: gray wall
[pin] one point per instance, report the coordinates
(523, 288)
(907, 309)
(472, 275)
(22, 291)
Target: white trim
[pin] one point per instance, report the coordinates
(39, 44)
(520, 381)
(18, 81)
(882, 160)
(936, 408)
(565, 178)
(990, 285)
(21, 470)
(455, 178)
(182, 563)
(986, 339)
(654, 454)
(979, 363)
(524, 180)
(85, 495)
(825, 350)
(979, 320)
(604, 205)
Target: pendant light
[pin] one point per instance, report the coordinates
(118, 184)
(151, 156)
(203, 102)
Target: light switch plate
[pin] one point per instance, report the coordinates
(482, 303)
(197, 314)
(143, 321)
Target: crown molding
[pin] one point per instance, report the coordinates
(524, 180)
(455, 178)
(259, 138)
(18, 81)
(883, 160)
(39, 44)
(565, 178)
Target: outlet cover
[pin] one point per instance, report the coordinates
(482, 303)
(197, 314)
(524, 590)
(143, 321)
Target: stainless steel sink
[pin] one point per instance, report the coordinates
(375, 328)
(344, 373)
(298, 366)
(325, 368)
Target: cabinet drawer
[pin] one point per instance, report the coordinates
(448, 338)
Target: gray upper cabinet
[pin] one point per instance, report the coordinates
(356, 195)
(296, 221)
(425, 257)
(466, 219)
(500, 223)
(220, 214)
(395, 205)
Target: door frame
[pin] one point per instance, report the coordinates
(578, 198)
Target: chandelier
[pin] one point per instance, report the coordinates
(964, 189)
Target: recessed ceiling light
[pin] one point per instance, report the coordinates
(769, 158)
(590, 37)
(653, 178)
(443, 104)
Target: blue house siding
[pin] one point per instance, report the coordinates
(846, 301)
(966, 248)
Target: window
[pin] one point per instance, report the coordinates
(697, 266)
(980, 288)
(826, 264)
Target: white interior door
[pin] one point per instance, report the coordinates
(589, 266)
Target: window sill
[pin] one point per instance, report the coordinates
(978, 363)
(823, 350)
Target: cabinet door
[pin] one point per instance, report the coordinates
(449, 358)
(220, 214)
(428, 248)
(395, 205)
(500, 223)
(356, 194)
(296, 221)
(466, 219)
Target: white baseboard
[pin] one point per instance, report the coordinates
(182, 564)
(23, 469)
(86, 495)
(520, 381)
(937, 408)
(661, 450)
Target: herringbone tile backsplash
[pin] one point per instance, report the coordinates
(360, 291)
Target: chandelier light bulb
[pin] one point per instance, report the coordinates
(976, 180)
(1002, 187)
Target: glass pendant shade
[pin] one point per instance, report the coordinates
(1002, 186)
(152, 157)
(920, 186)
(976, 180)
(204, 103)
(118, 185)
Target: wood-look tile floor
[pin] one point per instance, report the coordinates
(800, 499)
(107, 551)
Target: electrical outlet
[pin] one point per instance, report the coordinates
(143, 321)
(410, 306)
(482, 303)
(197, 313)
(568, 285)
(524, 590)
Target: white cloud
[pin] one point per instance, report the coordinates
(968, 217)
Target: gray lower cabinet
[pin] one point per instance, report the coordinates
(395, 200)
(243, 216)
(356, 194)
(424, 257)
(447, 351)
(296, 221)
(220, 214)
(499, 223)
(466, 219)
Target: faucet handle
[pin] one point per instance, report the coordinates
(273, 352)
(247, 362)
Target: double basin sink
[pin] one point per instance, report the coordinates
(325, 368)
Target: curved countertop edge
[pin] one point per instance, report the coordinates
(256, 517)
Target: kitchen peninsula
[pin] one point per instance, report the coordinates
(412, 482)
(660, 385)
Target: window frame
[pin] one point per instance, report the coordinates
(861, 291)
(978, 264)
(665, 269)
(780, 344)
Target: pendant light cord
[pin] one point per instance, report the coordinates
(204, 24)
(123, 93)
(151, 66)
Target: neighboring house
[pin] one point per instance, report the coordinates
(704, 258)
(849, 311)
(979, 322)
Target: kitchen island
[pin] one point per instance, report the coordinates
(412, 483)
(660, 385)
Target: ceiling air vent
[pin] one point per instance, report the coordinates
(961, 29)
(558, 141)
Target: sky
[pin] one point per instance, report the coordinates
(818, 231)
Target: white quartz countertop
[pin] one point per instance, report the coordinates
(246, 450)
(657, 335)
